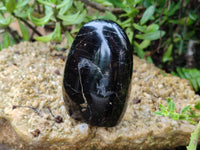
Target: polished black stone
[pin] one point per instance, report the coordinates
(98, 73)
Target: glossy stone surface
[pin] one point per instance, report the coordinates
(98, 73)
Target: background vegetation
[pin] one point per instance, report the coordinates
(164, 32)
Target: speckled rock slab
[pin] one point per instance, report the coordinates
(31, 75)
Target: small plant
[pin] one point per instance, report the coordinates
(39, 13)
(187, 114)
(193, 75)
(131, 15)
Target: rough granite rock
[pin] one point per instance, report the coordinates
(31, 75)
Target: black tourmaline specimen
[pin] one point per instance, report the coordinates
(98, 73)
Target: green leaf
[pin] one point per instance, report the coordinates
(194, 84)
(64, 6)
(46, 38)
(149, 59)
(117, 3)
(180, 73)
(151, 36)
(163, 73)
(170, 105)
(135, 1)
(64, 3)
(194, 73)
(138, 50)
(140, 28)
(55, 35)
(21, 3)
(46, 3)
(152, 28)
(163, 109)
(4, 22)
(193, 16)
(80, 5)
(147, 14)
(70, 39)
(108, 15)
(126, 23)
(129, 33)
(198, 81)
(197, 106)
(185, 109)
(159, 113)
(174, 116)
(6, 40)
(144, 44)
(187, 20)
(41, 21)
(172, 10)
(183, 117)
(186, 73)
(184, 21)
(24, 31)
(10, 5)
(2, 7)
(73, 18)
(167, 55)
(148, 3)
(103, 2)
(192, 114)
(25, 13)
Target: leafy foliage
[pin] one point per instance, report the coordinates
(187, 114)
(40, 13)
(193, 75)
(45, 12)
